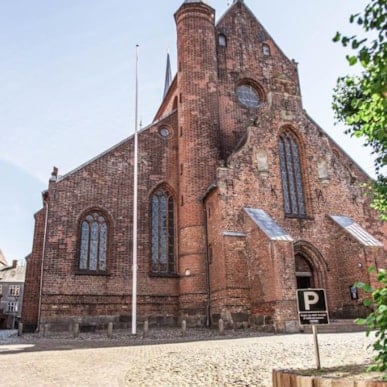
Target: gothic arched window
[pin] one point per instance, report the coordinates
(163, 232)
(93, 243)
(291, 175)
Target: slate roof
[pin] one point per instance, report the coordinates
(268, 225)
(356, 230)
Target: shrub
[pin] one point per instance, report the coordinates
(377, 320)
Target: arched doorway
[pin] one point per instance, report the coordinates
(310, 266)
(304, 272)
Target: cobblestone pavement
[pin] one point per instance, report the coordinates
(93, 360)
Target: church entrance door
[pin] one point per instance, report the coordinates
(304, 272)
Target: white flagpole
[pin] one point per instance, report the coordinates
(135, 194)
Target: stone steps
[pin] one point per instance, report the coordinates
(336, 326)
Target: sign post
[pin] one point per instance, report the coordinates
(312, 310)
(316, 347)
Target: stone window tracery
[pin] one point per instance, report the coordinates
(291, 175)
(93, 243)
(163, 232)
(248, 95)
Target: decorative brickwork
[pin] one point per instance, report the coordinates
(215, 147)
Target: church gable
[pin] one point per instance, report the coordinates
(255, 78)
(239, 29)
(117, 161)
(91, 209)
(293, 171)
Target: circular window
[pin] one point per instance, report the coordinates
(248, 96)
(164, 132)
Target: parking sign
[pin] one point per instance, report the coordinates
(312, 307)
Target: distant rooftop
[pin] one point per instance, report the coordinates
(15, 273)
(3, 261)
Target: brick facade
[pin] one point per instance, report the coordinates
(220, 158)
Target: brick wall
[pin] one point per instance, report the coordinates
(30, 310)
(106, 183)
(220, 158)
(198, 147)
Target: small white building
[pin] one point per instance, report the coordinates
(11, 292)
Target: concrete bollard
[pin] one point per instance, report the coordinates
(183, 328)
(45, 330)
(110, 330)
(20, 329)
(75, 330)
(221, 326)
(145, 329)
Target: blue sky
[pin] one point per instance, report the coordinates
(67, 83)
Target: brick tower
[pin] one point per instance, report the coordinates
(198, 147)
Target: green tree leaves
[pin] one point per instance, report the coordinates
(376, 321)
(360, 102)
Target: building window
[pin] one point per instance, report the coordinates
(12, 306)
(222, 40)
(248, 96)
(14, 290)
(93, 246)
(266, 50)
(291, 175)
(164, 132)
(163, 232)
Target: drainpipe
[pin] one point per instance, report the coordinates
(208, 308)
(45, 202)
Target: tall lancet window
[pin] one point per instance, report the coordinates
(291, 175)
(163, 232)
(93, 243)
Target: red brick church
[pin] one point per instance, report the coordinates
(243, 198)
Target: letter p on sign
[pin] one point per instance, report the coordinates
(310, 298)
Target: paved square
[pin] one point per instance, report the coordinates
(227, 362)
